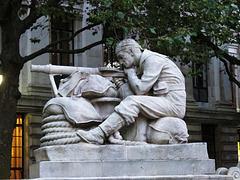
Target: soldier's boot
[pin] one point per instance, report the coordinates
(97, 135)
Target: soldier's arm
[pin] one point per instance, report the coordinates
(151, 71)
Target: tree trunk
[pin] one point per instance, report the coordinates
(9, 94)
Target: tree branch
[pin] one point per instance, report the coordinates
(32, 17)
(230, 75)
(219, 52)
(49, 50)
(35, 12)
(223, 56)
(73, 36)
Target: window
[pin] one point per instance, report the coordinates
(17, 150)
(109, 55)
(200, 84)
(60, 30)
(109, 50)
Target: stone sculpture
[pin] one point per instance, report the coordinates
(152, 103)
(159, 91)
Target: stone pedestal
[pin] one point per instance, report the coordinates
(87, 161)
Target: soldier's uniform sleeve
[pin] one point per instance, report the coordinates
(152, 67)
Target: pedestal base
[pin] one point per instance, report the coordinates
(173, 177)
(87, 161)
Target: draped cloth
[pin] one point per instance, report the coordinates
(78, 111)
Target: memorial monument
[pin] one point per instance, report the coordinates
(120, 124)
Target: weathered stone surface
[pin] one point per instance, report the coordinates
(88, 160)
(84, 151)
(154, 92)
(173, 177)
(122, 168)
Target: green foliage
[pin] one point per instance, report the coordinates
(172, 27)
(179, 23)
(116, 16)
(35, 40)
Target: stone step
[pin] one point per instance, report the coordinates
(103, 161)
(119, 168)
(175, 177)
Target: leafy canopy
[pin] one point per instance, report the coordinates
(186, 30)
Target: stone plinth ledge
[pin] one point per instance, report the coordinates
(86, 152)
(91, 161)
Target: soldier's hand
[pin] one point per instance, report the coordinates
(130, 71)
(118, 82)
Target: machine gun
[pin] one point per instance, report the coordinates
(53, 70)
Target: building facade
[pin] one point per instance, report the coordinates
(212, 100)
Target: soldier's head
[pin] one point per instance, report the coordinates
(128, 52)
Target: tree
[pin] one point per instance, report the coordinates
(13, 25)
(186, 30)
(194, 31)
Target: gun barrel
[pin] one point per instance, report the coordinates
(66, 70)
